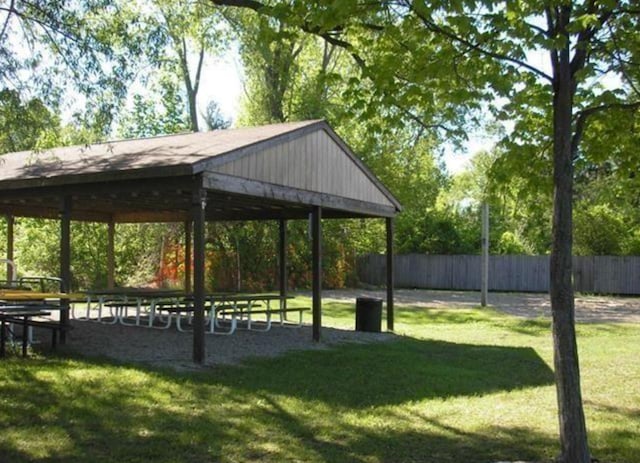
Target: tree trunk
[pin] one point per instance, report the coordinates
(193, 110)
(573, 434)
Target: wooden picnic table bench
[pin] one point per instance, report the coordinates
(24, 315)
(52, 325)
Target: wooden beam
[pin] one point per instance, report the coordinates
(151, 217)
(65, 259)
(10, 246)
(111, 261)
(243, 186)
(390, 274)
(188, 239)
(282, 248)
(50, 212)
(145, 178)
(316, 268)
(199, 203)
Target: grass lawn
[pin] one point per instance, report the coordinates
(455, 386)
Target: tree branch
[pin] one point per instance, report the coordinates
(251, 4)
(622, 63)
(582, 116)
(584, 37)
(420, 122)
(538, 29)
(305, 26)
(196, 84)
(433, 27)
(9, 11)
(552, 31)
(43, 24)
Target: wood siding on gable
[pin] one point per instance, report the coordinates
(312, 162)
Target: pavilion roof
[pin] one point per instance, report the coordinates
(299, 163)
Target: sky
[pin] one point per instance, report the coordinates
(222, 81)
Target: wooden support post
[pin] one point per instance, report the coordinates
(198, 216)
(390, 274)
(10, 246)
(188, 238)
(484, 273)
(316, 234)
(111, 260)
(65, 260)
(282, 248)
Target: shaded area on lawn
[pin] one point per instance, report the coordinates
(52, 411)
(290, 408)
(394, 372)
(441, 444)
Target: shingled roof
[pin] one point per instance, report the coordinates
(268, 170)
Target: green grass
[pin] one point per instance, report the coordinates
(455, 386)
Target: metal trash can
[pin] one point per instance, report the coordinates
(369, 314)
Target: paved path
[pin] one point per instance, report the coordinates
(595, 309)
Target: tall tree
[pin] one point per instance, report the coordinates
(178, 36)
(269, 50)
(50, 49)
(445, 58)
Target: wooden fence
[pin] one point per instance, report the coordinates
(591, 274)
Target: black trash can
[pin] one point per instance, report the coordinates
(368, 314)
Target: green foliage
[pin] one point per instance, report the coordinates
(214, 118)
(24, 125)
(36, 247)
(519, 217)
(509, 243)
(150, 117)
(631, 243)
(65, 52)
(598, 231)
(270, 54)
(137, 250)
(441, 232)
(607, 217)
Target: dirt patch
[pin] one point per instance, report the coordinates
(589, 309)
(174, 349)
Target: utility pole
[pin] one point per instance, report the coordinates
(484, 272)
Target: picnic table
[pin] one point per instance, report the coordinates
(120, 301)
(161, 308)
(241, 308)
(24, 314)
(47, 301)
